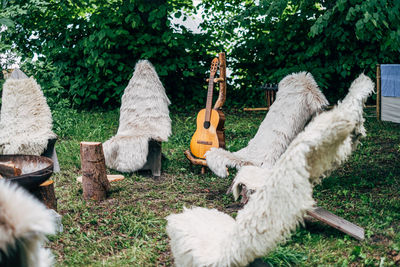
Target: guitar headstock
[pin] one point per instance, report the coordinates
(214, 66)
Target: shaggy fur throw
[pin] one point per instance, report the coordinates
(25, 121)
(203, 237)
(298, 98)
(24, 224)
(144, 115)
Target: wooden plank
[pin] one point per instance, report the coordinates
(337, 222)
(255, 109)
(327, 108)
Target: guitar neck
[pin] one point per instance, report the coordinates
(209, 98)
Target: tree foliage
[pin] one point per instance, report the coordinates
(334, 40)
(87, 50)
(91, 47)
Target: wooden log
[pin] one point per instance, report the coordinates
(7, 169)
(94, 177)
(46, 194)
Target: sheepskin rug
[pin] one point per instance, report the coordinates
(144, 115)
(25, 121)
(24, 224)
(203, 237)
(297, 99)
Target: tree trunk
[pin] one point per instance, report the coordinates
(94, 177)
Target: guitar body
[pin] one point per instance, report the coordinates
(206, 138)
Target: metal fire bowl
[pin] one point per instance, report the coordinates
(35, 169)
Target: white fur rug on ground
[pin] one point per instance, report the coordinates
(298, 98)
(25, 122)
(144, 115)
(204, 237)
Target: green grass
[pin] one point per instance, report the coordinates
(128, 229)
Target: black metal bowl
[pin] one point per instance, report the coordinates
(35, 169)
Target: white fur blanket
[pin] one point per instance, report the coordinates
(25, 121)
(24, 224)
(144, 115)
(203, 237)
(298, 98)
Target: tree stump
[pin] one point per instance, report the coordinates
(94, 177)
(45, 193)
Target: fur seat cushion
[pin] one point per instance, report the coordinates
(201, 234)
(144, 115)
(281, 200)
(24, 224)
(26, 122)
(298, 98)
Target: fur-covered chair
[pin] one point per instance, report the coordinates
(297, 100)
(25, 121)
(24, 224)
(203, 237)
(144, 116)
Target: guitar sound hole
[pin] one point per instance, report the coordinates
(206, 124)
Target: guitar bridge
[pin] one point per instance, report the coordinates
(204, 142)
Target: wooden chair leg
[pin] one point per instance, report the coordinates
(50, 152)
(154, 159)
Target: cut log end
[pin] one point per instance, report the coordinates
(94, 177)
(110, 177)
(90, 143)
(46, 194)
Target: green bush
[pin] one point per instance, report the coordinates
(91, 47)
(87, 50)
(334, 40)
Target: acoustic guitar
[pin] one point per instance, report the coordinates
(210, 123)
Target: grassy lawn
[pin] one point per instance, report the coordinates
(128, 229)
